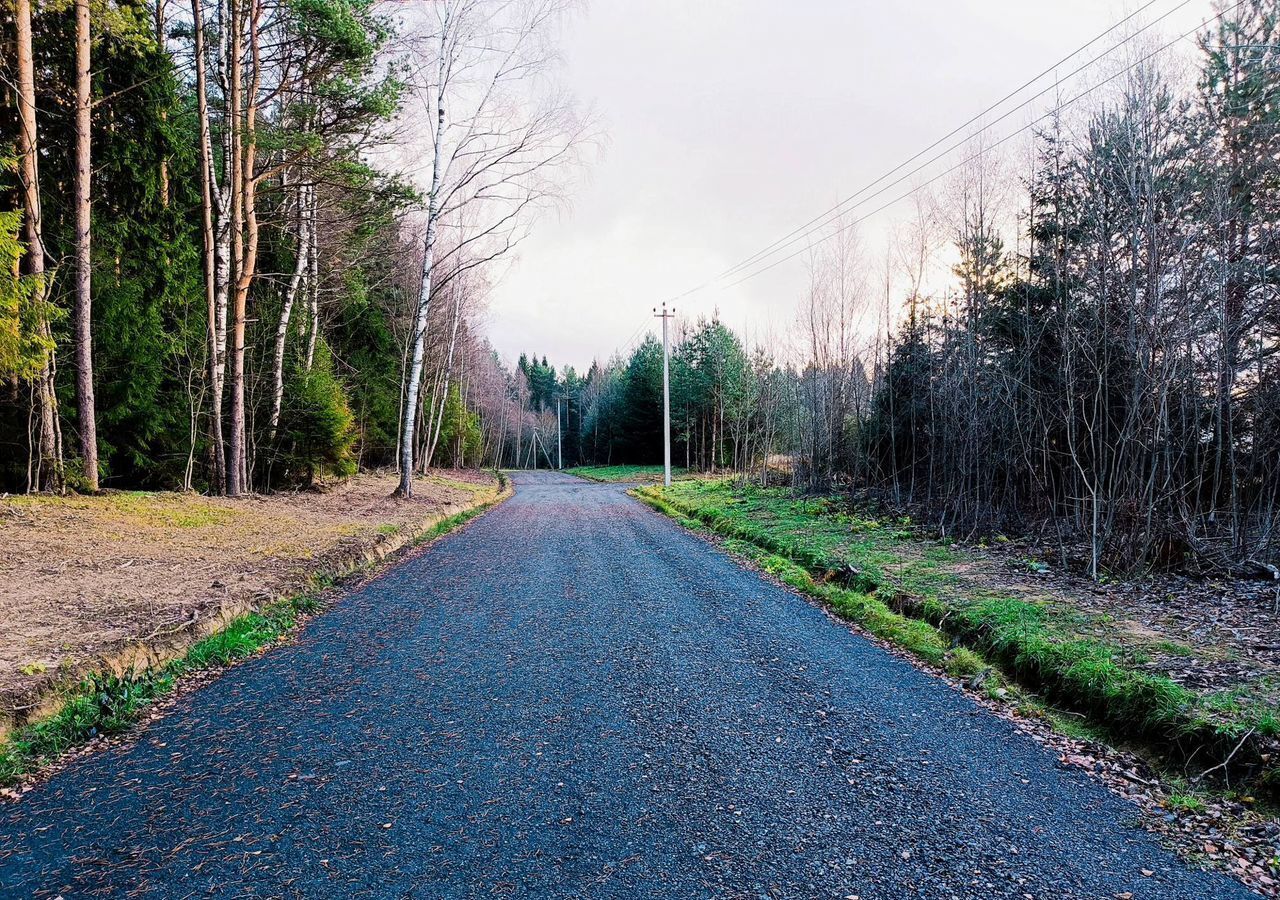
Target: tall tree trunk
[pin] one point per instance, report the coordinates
(414, 389)
(286, 309)
(164, 113)
(244, 109)
(226, 196)
(427, 419)
(82, 205)
(236, 184)
(313, 280)
(448, 370)
(216, 313)
(48, 472)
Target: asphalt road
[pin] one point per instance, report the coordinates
(573, 697)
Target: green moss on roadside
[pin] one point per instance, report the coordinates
(859, 567)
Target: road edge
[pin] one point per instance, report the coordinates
(1115, 768)
(107, 703)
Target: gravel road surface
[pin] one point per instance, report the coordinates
(573, 697)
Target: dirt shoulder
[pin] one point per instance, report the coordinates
(128, 580)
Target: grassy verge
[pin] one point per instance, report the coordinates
(919, 637)
(905, 591)
(625, 473)
(105, 704)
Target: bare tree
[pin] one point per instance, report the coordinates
(834, 324)
(495, 151)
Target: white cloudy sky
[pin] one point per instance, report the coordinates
(730, 122)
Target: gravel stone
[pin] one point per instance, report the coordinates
(573, 697)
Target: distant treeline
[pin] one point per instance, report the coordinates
(1102, 368)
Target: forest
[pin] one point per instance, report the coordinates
(220, 272)
(1100, 364)
(218, 278)
(333, 507)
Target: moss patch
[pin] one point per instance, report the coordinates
(901, 588)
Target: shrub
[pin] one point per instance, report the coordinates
(317, 430)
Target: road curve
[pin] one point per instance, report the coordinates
(573, 697)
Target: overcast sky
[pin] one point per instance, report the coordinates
(730, 122)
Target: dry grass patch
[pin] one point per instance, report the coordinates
(105, 582)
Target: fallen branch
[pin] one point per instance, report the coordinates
(1226, 762)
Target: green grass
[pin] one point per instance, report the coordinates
(1186, 803)
(146, 508)
(169, 510)
(457, 520)
(901, 588)
(1174, 648)
(104, 704)
(624, 473)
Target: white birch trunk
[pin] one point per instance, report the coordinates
(448, 370)
(209, 196)
(313, 279)
(414, 389)
(286, 309)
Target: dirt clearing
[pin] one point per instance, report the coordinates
(125, 578)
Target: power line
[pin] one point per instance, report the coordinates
(1026, 84)
(825, 218)
(845, 227)
(629, 342)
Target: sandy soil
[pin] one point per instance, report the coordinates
(81, 578)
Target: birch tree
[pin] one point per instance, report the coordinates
(496, 148)
(297, 283)
(215, 232)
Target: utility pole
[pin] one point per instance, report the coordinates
(666, 393)
(559, 446)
